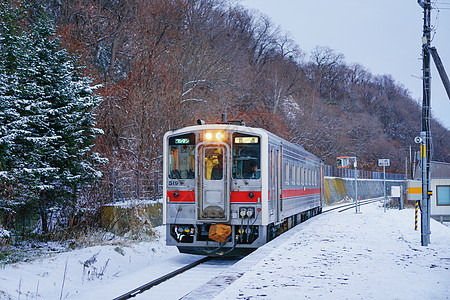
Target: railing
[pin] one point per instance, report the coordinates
(333, 171)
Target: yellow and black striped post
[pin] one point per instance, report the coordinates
(417, 209)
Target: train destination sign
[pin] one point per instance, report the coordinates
(182, 141)
(246, 140)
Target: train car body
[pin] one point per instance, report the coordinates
(229, 189)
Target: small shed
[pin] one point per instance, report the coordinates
(440, 185)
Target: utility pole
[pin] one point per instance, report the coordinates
(425, 134)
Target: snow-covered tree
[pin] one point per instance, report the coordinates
(47, 121)
(12, 57)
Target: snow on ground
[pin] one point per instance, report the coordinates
(372, 255)
(64, 275)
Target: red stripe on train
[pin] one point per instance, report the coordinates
(243, 197)
(240, 196)
(299, 192)
(183, 196)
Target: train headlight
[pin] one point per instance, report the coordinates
(208, 136)
(219, 136)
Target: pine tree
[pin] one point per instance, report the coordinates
(12, 55)
(49, 141)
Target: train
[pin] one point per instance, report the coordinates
(229, 188)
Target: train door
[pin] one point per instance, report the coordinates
(272, 191)
(279, 154)
(213, 191)
(275, 185)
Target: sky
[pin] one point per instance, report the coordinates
(384, 36)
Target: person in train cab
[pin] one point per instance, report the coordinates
(217, 170)
(253, 172)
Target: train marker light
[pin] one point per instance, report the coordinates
(208, 135)
(219, 135)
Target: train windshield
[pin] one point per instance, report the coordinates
(182, 156)
(246, 156)
(213, 164)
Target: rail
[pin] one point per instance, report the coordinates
(161, 279)
(352, 205)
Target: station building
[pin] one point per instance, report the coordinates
(440, 186)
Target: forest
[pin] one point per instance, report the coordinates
(162, 64)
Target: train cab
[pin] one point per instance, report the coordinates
(222, 188)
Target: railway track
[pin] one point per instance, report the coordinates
(161, 279)
(184, 279)
(348, 206)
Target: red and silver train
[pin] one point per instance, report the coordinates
(229, 189)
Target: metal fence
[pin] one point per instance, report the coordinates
(333, 171)
(127, 185)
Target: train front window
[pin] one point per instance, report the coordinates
(213, 164)
(182, 156)
(246, 156)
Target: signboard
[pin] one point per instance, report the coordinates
(414, 188)
(384, 162)
(395, 191)
(343, 162)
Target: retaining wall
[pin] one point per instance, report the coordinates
(338, 189)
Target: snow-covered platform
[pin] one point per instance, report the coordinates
(372, 255)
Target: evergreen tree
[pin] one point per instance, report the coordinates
(49, 140)
(12, 56)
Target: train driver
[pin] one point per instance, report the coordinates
(217, 170)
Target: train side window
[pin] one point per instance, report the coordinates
(286, 173)
(182, 156)
(293, 174)
(298, 175)
(246, 153)
(302, 174)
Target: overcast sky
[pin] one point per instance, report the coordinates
(384, 36)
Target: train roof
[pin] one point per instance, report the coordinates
(241, 128)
